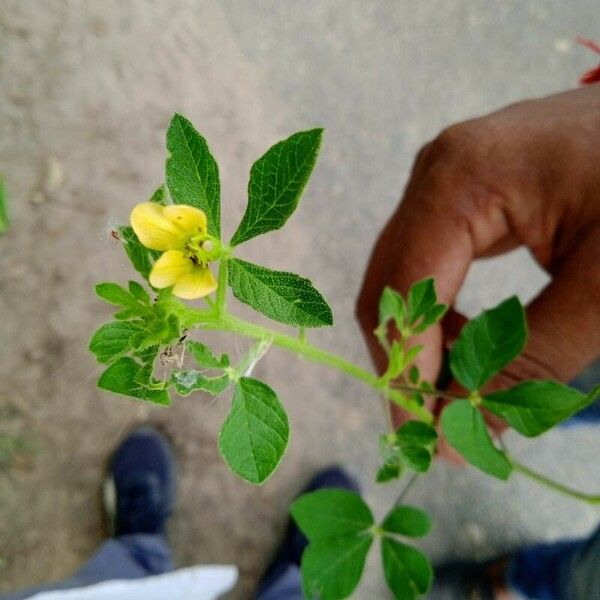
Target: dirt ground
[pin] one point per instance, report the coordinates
(86, 92)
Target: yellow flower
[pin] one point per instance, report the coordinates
(180, 232)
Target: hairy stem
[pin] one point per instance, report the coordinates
(221, 303)
(227, 322)
(554, 485)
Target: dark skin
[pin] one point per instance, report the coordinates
(527, 175)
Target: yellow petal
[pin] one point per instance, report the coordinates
(154, 229)
(197, 284)
(189, 219)
(170, 268)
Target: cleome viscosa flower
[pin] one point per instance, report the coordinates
(180, 232)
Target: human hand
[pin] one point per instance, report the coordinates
(527, 175)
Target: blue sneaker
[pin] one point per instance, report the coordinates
(139, 491)
(295, 542)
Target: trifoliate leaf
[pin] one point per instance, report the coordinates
(488, 343)
(255, 434)
(192, 174)
(281, 296)
(277, 180)
(465, 430)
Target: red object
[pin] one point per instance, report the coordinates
(593, 75)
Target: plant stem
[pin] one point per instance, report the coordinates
(221, 303)
(433, 392)
(227, 322)
(553, 485)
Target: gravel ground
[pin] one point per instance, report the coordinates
(86, 93)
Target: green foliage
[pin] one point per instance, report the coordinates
(159, 196)
(3, 207)
(255, 434)
(141, 257)
(411, 316)
(277, 180)
(411, 446)
(332, 567)
(407, 571)
(465, 430)
(399, 360)
(331, 513)
(112, 340)
(391, 307)
(122, 377)
(488, 343)
(205, 357)
(407, 520)
(533, 407)
(188, 381)
(337, 524)
(119, 296)
(281, 296)
(421, 298)
(192, 174)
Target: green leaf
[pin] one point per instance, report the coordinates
(159, 196)
(255, 433)
(407, 520)
(3, 207)
(144, 375)
(281, 296)
(407, 571)
(332, 567)
(433, 315)
(205, 358)
(120, 377)
(533, 407)
(192, 174)
(391, 306)
(416, 433)
(141, 257)
(421, 298)
(465, 430)
(331, 513)
(395, 362)
(416, 457)
(138, 292)
(388, 472)
(414, 375)
(115, 294)
(488, 343)
(189, 381)
(112, 339)
(277, 180)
